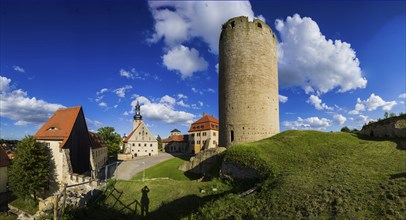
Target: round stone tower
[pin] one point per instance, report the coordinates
(248, 82)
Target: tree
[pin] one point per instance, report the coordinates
(345, 129)
(391, 115)
(111, 139)
(159, 139)
(386, 115)
(30, 171)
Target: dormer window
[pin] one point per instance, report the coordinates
(52, 129)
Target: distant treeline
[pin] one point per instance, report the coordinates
(13, 142)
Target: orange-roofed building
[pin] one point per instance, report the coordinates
(140, 141)
(4, 163)
(203, 133)
(66, 135)
(176, 142)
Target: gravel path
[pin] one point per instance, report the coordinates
(129, 168)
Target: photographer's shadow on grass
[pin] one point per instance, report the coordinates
(144, 201)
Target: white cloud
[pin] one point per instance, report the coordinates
(18, 69)
(308, 60)
(317, 103)
(94, 124)
(126, 74)
(134, 74)
(372, 103)
(195, 106)
(120, 92)
(180, 21)
(200, 103)
(282, 98)
(339, 119)
(358, 107)
(162, 111)
(217, 68)
(4, 83)
(182, 96)
(102, 91)
(167, 100)
(21, 123)
(363, 118)
(183, 104)
(16, 105)
(211, 90)
(308, 123)
(197, 91)
(402, 96)
(103, 104)
(185, 60)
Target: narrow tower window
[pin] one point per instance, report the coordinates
(232, 135)
(259, 25)
(232, 24)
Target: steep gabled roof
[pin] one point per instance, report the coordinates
(60, 125)
(96, 140)
(4, 161)
(131, 134)
(207, 122)
(175, 130)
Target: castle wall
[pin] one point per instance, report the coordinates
(248, 82)
(394, 127)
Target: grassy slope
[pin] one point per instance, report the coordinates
(316, 174)
(167, 168)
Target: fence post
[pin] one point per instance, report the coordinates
(64, 198)
(56, 207)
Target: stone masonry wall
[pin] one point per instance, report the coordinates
(394, 127)
(248, 82)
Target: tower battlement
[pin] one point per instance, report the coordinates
(242, 22)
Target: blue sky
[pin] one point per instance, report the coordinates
(341, 63)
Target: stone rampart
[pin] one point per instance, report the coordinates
(394, 127)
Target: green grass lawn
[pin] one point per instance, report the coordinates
(312, 174)
(5, 216)
(307, 174)
(167, 168)
(25, 204)
(174, 198)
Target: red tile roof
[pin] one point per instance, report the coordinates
(176, 138)
(96, 140)
(59, 126)
(4, 161)
(207, 122)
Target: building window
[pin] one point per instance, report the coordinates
(133, 144)
(139, 145)
(198, 134)
(150, 145)
(145, 145)
(204, 133)
(214, 133)
(145, 150)
(138, 150)
(232, 135)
